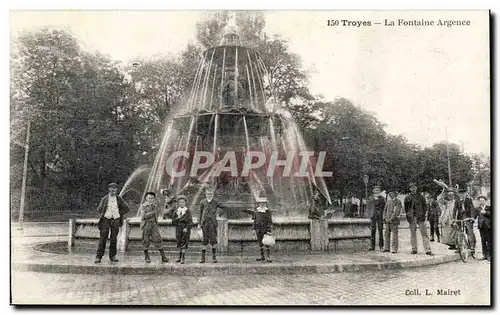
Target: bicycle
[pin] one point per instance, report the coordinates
(463, 245)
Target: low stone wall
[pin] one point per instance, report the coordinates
(237, 236)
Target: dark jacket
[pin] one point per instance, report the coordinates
(392, 211)
(184, 221)
(103, 206)
(375, 208)
(434, 211)
(262, 221)
(468, 207)
(415, 207)
(208, 212)
(484, 220)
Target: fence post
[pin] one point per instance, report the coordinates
(222, 235)
(71, 234)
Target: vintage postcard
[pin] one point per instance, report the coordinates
(250, 157)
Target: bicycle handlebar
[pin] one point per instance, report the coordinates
(466, 219)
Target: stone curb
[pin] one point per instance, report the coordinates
(221, 269)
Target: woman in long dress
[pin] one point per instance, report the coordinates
(448, 213)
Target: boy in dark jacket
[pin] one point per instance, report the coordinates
(149, 213)
(262, 225)
(183, 221)
(209, 208)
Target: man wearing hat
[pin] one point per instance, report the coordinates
(112, 209)
(392, 212)
(375, 210)
(416, 211)
(485, 226)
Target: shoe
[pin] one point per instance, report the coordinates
(262, 258)
(457, 251)
(183, 258)
(163, 256)
(452, 247)
(203, 252)
(146, 257)
(413, 252)
(432, 240)
(429, 253)
(180, 256)
(484, 258)
(113, 259)
(394, 252)
(439, 239)
(386, 251)
(214, 258)
(371, 249)
(97, 260)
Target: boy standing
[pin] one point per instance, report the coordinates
(208, 223)
(149, 213)
(262, 225)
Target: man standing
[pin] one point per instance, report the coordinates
(391, 218)
(112, 209)
(208, 223)
(484, 225)
(433, 218)
(416, 210)
(468, 209)
(375, 210)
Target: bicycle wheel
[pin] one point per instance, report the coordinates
(463, 247)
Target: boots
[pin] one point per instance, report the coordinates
(163, 257)
(268, 258)
(180, 256)
(183, 257)
(262, 258)
(203, 252)
(214, 259)
(146, 257)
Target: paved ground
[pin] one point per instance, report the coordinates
(469, 282)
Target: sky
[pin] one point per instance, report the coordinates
(419, 81)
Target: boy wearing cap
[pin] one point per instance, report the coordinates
(392, 211)
(262, 225)
(183, 221)
(149, 213)
(112, 209)
(208, 223)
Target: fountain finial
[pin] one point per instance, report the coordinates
(231, 37)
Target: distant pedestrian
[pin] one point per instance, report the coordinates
(433, 218)
(416, 211)
(485, 227)
(350, 207)
(209, 209)
(392, 212)
(112, 209)
(375, 211)
(183, 221)
(149, 213)
(262, 225)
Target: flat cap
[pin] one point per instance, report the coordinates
(112, 185)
